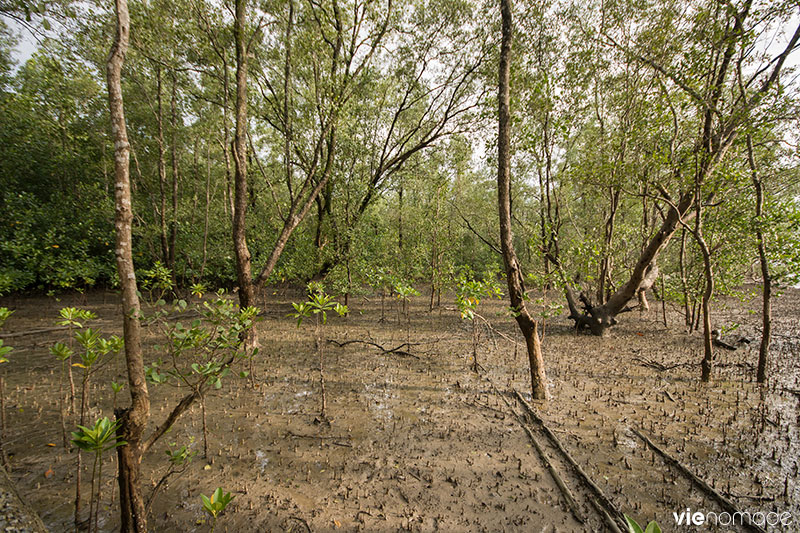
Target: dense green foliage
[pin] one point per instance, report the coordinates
(605, 132)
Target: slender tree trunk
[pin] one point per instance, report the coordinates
(162, 170)
(208, 205)
(62, 403)
(766, 311)
(228, 200)
(514, 277)
(687, 313)
(79, 470)
(173, 224)
(543, 230)
(400, 220)
(604, 280)
(133, 419)
(475, 365)
(435, 252)
(287, 102)
(205, 425)
(99, 492)
(708, 351)
(247, 295)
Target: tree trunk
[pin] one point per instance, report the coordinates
(766, 312)
(173, 224)
(162, 170)
(435, 250)
(687, 313)
(287, 100)
(604, 279)
(598, 318)
(400, 220)
(708, 350)
(514, 277)
(133, 419)
(243, 267)
(227, 202)
(647, 283)
(208, 204)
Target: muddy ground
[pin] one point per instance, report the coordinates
(419, 442)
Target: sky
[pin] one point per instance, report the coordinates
(27, 44)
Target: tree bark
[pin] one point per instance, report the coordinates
(162, 170)
(206, 213)
(598, 318)
(708, 350)
(243, 266)
(133, 419)
(514, 277)
(604, 279)
(287, 100)
(173, 224)
(227, 202)
(766, 311)
(687, 313)
(647, 283)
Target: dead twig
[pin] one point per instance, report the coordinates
(659, 366)
(324, 437)
(302, 521)
(384, 351)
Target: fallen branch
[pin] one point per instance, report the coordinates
(384, 351)
(37, 331)
(606, 503)
(724, 502)
(31, 332)
(573, 506)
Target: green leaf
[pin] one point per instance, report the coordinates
(652, 527)
(633, 527)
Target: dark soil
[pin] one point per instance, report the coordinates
(419, 442)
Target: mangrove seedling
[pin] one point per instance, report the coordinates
(318, 305)
(199, 354)
(468, 297)
(404, 294)
(96, 440)
(179, 460)
(63, 353)
(633, 527)
(73, 318)
(216, 504)
(116, 389)
(95, 348)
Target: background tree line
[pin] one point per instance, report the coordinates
(368, 144)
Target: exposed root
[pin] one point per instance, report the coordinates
(708, 489)
(610, 511)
